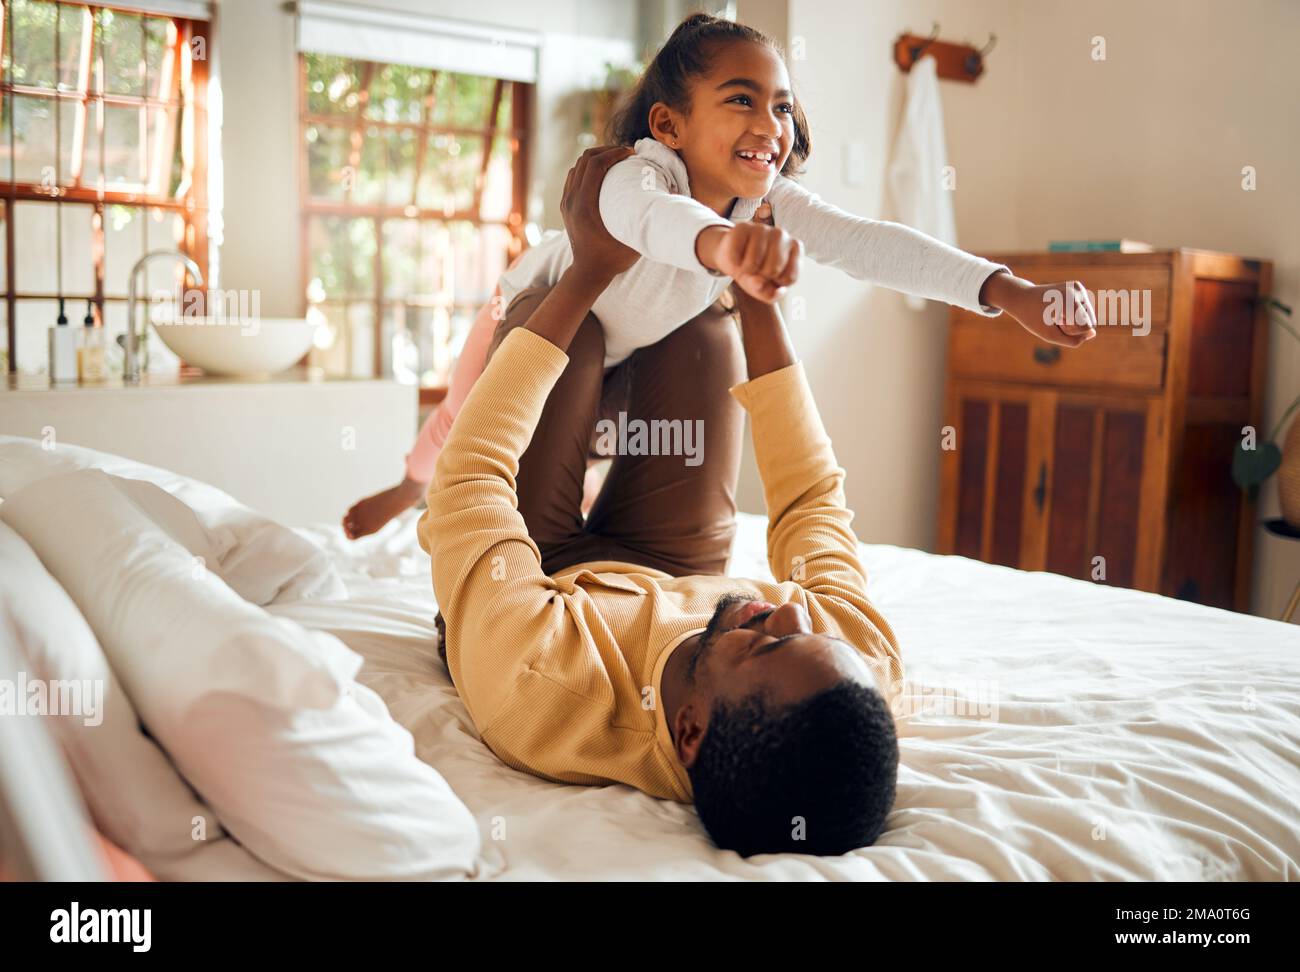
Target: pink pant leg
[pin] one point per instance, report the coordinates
(423, 456)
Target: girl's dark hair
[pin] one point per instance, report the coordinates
(685, 56)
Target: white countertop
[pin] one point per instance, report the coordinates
(297, 446)
(294, 376)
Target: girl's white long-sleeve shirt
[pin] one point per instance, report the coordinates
(645, 202)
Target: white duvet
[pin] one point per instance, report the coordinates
(1055, 729)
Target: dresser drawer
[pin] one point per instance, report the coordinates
(1132, 296)
(999, 349)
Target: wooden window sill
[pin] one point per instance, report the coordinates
(433, 395)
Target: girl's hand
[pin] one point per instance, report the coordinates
(1058, 313)
(762, 259)
(595, 252)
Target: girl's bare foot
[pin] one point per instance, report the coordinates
(370, 514)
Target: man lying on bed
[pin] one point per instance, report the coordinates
(613, 650)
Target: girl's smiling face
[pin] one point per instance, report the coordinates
(740, 127)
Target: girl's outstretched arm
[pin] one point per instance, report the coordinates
(880, 252)
(904, 259)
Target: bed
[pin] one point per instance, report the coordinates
(1055, 730)
(1052, 729)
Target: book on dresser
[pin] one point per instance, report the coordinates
(1112, 462)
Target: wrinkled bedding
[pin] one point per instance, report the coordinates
(1053, 730)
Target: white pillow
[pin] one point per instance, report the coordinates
(134, 794)
(265, 561)
(186, 628)
(304, 767)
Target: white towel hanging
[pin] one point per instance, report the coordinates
(916, 174)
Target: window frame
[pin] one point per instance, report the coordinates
(190, 98)
(519, 131)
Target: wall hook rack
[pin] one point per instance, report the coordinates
(954, 62)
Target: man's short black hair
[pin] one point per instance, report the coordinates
(815, 777)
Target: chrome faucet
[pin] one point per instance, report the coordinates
(131, 366)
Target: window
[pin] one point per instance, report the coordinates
(413, 193)
(103, 145)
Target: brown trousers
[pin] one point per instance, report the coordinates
(652, 510)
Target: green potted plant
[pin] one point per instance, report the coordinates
(619, 79)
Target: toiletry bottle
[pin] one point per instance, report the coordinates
(90, 356)
(63, 351)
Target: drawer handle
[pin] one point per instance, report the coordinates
(1046, 356)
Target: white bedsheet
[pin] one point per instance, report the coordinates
(1061, 730)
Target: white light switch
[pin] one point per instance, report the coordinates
(855, 162)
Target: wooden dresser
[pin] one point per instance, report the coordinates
(1114, 457)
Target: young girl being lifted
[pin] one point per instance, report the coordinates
(714, 133)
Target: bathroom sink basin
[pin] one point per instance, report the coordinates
(224, 346)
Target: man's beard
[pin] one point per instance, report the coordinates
(711, 632)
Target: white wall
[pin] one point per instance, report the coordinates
(259, 87)
(1048, 145)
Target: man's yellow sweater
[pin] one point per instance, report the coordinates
(561, 674)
